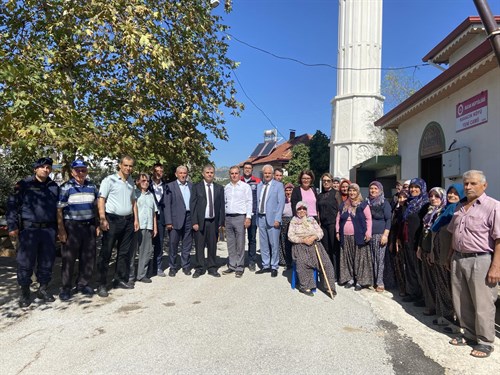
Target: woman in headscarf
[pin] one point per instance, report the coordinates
(306, 192)
(380, 209)
(354, 231)
(328, 209)
(305, 234)
(437, 201)
(442, 242)
(396, 242)
(285, 245)
(344, 187)
(417, 205)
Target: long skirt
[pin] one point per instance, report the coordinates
(355, 263)
(398, 263)
(285, 245)
(306, 260)
(442, 279)
(378, 259)
(428, 284)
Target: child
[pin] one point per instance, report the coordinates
(146, 207)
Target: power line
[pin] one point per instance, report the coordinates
(324, 65)
(255, 105)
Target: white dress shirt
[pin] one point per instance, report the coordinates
(238, 199)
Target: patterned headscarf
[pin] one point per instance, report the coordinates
(433, 211)
(349, 204)
(416, 203)
(378, 199)
(447, 213)
(344, 197)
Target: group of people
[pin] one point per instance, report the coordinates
(441, 248)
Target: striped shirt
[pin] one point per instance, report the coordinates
(78, 201)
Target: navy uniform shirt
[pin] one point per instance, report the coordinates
(33, 201)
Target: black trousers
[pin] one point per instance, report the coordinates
(121, 231)
(332, 246)
(79, 245)
(206, 237)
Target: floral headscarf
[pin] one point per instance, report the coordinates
(378, 199)
(416, 203)
(349, 204)
(433, 211)
(344, 197)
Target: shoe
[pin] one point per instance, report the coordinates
(419, 303)
(228, 271)
(102, 291)
(85, 290)
(186, 271)
(161, 273)
(482, 351)
(197, 274)
(307, 292)
(358, 287)
(251, 267)
(239, 274)
(25, 299)
(44, 295)
(146, 280)
(65, 294)
(263, 270)
(348, 285)
(172, 272)
(379, 289)
(274, 273)
(123, 285)
(214, 274)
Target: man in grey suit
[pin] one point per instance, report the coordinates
(178, 220)
(207, 215)
(270, 205)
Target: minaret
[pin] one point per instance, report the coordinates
(358, 99)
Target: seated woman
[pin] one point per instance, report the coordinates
(304, 233)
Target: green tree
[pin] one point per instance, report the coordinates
(110, 77)
(298, 162)
(319, 155)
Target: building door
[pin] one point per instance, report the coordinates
(432, 146)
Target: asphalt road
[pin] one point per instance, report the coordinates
(253, 325)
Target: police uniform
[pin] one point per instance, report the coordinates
(32, 210)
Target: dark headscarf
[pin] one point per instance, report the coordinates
(416, 203)
(344, 197)
(447, 214)
(379, 199)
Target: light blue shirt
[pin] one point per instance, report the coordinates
(186, 193)
(146, 208)
(119, 194)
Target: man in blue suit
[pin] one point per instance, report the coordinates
(270, 205)
(157, 186)
(178, 220)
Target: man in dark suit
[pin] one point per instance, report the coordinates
(178, 220)
(207, 215)
(270, 205)
(157, 187)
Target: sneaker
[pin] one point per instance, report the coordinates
(102, 291)
(44, 295)
(65, 294)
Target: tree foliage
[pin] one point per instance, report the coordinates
(319, 155)
(299, 162)
(111, 77)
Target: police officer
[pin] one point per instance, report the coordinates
(32, 217)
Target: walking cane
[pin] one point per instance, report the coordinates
(323, 270)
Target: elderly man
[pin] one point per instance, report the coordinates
(32, 216)
(270, 205)
(207, 214)
(178, 220)
(238, 196)
(475, 264)
(76, 221)
(118, 218)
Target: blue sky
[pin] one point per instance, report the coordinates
(298, 97)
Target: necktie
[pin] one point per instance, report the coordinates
(263, 201)
(210, 202)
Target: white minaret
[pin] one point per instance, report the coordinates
(358, 99)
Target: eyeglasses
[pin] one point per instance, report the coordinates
(327, 180)
(301, 209)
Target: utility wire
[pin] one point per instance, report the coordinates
(255, 105)
(320, 64)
